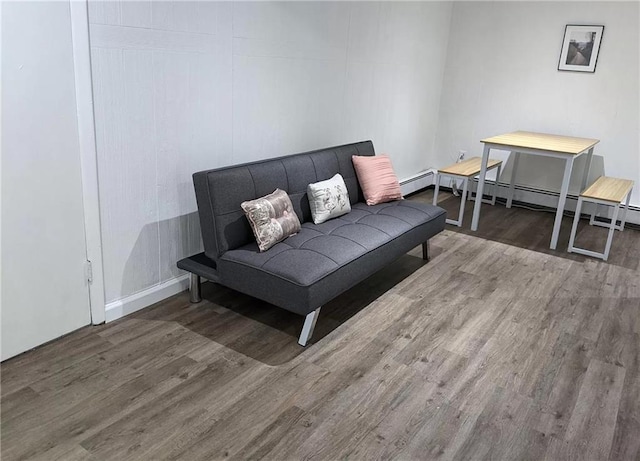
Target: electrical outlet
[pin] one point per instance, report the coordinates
(461, 155)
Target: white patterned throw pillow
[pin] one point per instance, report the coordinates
(328, 199)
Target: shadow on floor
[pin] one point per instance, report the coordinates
(267, 333)
(531, 230)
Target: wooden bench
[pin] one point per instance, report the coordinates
(604, 191)
(466, 170)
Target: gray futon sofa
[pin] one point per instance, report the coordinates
(310, 268)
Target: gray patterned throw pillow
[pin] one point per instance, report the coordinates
(272, 218)
(328, 199)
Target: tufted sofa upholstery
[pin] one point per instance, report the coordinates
(310, 268)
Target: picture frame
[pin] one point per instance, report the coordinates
(580, 48)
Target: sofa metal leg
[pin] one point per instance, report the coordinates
(307, 328)
(425, 251)
(194, 289)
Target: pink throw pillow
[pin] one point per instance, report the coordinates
(377, 179)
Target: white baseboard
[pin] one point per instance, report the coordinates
(118, 309)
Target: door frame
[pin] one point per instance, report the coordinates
(79, 14)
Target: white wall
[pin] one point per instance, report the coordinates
(501, 75)
(180, 87)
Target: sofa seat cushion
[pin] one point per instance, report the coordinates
(320, 250)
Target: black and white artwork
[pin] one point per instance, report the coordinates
(580, 48)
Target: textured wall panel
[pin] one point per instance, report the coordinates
(108, 36)
(126, 142)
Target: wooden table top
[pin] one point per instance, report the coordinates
(469, 167)
(542, 141)
(609, 189)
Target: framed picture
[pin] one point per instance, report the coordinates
(580, 48)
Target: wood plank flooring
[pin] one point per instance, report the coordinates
(532, 229)
(496, 349)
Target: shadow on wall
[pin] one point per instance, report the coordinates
(546, 173)
(159, 246)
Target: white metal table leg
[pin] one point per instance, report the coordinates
(587, 168)
(463, 201)
(561, 202)
(574, 228)
(624, 211)
(480, 190)
(612, 229)
(512, 182)
(435, 192)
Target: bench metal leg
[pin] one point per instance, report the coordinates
(307, 329)
(194, 289)
(612, 229)
(623, 221)
(466, 192)
(425, 251)
(592, 220)
(463, 199)
(612, 226)
(624, 211)
(512, 183)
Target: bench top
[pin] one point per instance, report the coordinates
(469, 167)
(609, 189)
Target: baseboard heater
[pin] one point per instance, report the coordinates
(548, 199)
(417, 182)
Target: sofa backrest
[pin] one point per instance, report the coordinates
(220, 192)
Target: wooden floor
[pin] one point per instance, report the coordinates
(496, 349)
(532, 230)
